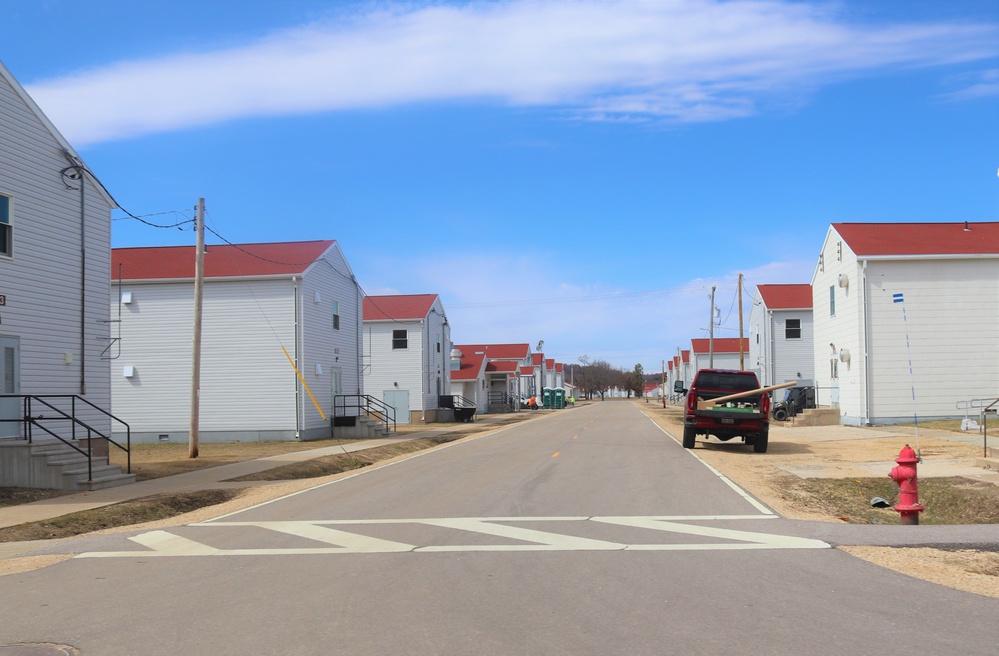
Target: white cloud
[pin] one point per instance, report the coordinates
(683, 60)
(494, 299)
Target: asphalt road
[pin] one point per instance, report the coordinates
(587, 531)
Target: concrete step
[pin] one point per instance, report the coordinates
(101, 476)
(816, 417)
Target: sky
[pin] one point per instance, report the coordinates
(578, 172)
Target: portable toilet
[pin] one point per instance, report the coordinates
(558, 400)
(547, 397)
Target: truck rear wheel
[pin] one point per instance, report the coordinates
(760, 443)
(780, 414)
(688, 437)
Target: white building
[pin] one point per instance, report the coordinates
(906, 319)
(467, 372)
(55, 246)
(281, 338)
(780, 334)
(720, 353)
(407, 345)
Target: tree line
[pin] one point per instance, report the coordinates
(595, 377)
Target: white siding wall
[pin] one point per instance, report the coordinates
(319, 344)
(721, 361)
(759, 341)
(437, 349)
(793, 356)
(844, 330)
(247, 384)
(951, 327)
(42, 281)
(385, 366)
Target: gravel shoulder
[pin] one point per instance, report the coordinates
(846, 452)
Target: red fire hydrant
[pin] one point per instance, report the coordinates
(908, 505)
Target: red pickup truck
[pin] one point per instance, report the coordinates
(747, 417)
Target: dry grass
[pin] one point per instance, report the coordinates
(126, 513)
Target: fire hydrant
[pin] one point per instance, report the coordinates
(904, 474)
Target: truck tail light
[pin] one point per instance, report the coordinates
(764, 404)
(691, 403)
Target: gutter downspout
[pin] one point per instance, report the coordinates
(298, 386)
(83, 287)
(772, 360)
(865, 308)
(425, 326)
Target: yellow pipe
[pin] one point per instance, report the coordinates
(299, 374)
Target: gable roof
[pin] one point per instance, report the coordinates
(538, 359)
(33, 107)
(685, 355)
(721, 345)
(227, 261)
(786, 297)
(507, 366)
(498, 351)
(400, 306)
(470, 368)
(915, 239)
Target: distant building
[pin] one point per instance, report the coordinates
(781, 348)
(726, 354)
(407, 344)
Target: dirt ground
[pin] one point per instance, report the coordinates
(790, 450)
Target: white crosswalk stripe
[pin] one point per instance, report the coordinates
(520, 538)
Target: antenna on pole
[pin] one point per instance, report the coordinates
(742, 357)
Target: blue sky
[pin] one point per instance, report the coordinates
(577, 172)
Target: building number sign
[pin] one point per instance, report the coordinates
(3, 300)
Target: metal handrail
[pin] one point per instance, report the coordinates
(369, 405)
(30, 421)
(456, 401)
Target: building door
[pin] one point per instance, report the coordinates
(10, 383)
(398, 399)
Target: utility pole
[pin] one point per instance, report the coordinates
(199, 281)
(711, 331)
(742, 363)
(662, 395)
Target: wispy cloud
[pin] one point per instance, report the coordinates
(490, 298)
(984, 84)
(680, 60)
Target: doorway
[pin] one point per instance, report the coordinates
(10, 383)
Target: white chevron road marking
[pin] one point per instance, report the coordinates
(164, 543)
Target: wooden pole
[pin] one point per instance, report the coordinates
(711, 331)
(742, 361)
(199, 279)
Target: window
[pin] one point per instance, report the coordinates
(400, 339)
(336, 315)
(792, 329)
(832, 300)
(6, 238)
(438, 343)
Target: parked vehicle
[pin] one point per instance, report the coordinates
(796, 400)
(747, 417)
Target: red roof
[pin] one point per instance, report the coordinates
(177, 262)
(527, 371)
(670, 365)
(685, 355)
(498, 351)
(786, 297)
(872, 239)
(471, 366)
(537, 359)
(721, 345)
(507, 366)
(550, 364)
(407, 306)
(558, 367)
